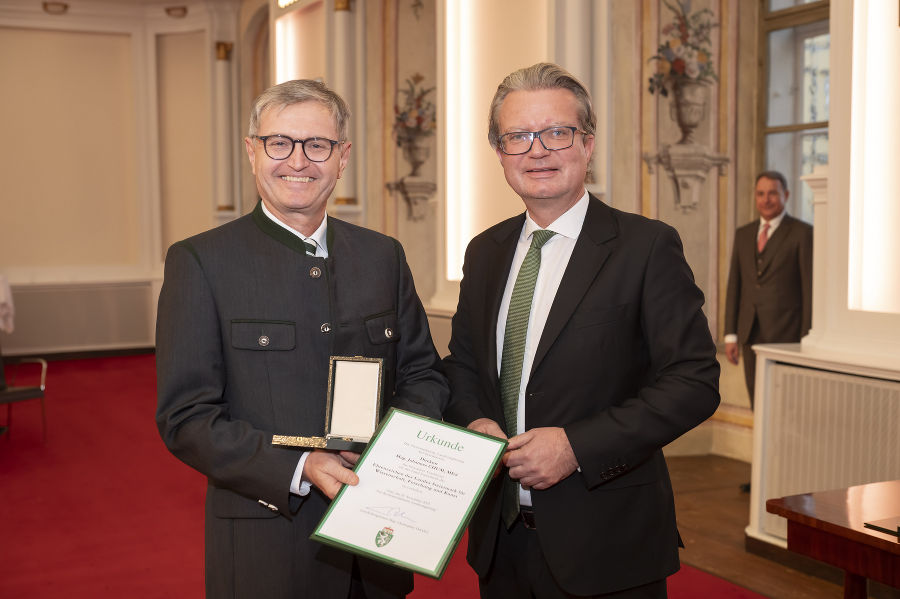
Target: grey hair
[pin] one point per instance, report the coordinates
(298, 91)
(543, 75)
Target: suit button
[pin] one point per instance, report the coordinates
(388, 332)
(315, 272)
(263, 341)
(326, 327)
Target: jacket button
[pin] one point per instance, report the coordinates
(263, 341)
(315, 272)
(326, 327)
(388, 332)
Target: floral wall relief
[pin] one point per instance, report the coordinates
(684, 65)
(685, 68)
(415, 120)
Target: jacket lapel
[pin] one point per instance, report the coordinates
(588, 257)
(775, 242)
(506, 236)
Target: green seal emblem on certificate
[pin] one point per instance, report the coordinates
(419, 483)
(384, 536)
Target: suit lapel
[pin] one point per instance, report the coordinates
(773, 245)
(506, 236)
(588, 257)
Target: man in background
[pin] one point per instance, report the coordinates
(769, 298)
(579, 335)
(249, 315)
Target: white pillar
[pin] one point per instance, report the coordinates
(225, 139)
(342, 48)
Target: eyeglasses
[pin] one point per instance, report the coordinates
(279, 147)
(553, 138)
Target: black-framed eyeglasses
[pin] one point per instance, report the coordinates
(552, 138)
(279, 147)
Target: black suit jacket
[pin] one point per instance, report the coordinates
(246, 324)
(625, 365)
(773, 288)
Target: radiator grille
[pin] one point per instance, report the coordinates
(827, 430)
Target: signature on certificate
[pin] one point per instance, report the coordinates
(388, 511)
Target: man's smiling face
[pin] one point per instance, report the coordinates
(541, 176)
(296, 189)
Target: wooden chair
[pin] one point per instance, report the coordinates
(11, 393)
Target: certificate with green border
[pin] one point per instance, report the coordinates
(420, 481)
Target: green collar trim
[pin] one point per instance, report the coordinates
(282, 235)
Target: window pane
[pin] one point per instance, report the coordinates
(782, 4)
(796, 154)
(816, 78)
(798, 75)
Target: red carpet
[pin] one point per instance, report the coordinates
(102, 510)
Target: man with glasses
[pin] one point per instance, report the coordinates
(579, 335)
(249, 315)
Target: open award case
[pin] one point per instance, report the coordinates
(352, 409)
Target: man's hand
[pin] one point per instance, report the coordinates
(540, 458)
(328, 470)
(349, 458)
(732, 351)
(488, 427)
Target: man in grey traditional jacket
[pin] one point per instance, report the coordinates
(249, 315)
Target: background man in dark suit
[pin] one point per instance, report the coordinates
(612, 360)
(769, 298)
(249, 314)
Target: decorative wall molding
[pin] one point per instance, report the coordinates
(687, 166)
(132, 287)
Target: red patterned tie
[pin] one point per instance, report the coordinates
(763, 238)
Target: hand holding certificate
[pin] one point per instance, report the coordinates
(419, 483)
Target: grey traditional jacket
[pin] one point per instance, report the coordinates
(246, 325)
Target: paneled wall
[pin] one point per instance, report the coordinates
(114, 112)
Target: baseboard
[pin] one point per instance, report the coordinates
(81, 355)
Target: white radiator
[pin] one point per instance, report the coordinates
(72, 317)
(825, 430)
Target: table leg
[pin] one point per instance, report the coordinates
(854, 586)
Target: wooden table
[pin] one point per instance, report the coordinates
(829, 526)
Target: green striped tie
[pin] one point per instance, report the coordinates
(514, 354)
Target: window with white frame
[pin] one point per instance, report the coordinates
(795, 108)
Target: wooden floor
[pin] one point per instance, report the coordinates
(712, 514)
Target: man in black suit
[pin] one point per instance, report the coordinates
(249, 314)
(769, 298)
(607, 361)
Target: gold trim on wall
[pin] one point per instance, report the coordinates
(55, 8)
(223, 50)
(341, 5)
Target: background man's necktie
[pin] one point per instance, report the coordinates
(763, 238)
(310, 247)
(514, 354)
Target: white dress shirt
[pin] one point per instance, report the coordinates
(554, 258)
